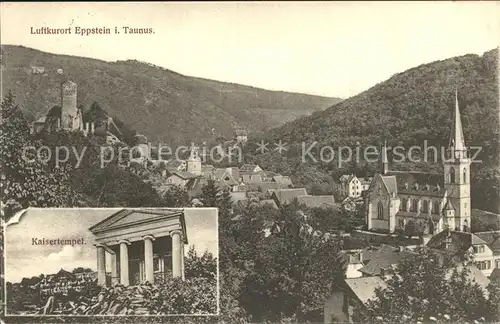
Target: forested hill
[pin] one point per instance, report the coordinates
(411, 107)
(162, 104)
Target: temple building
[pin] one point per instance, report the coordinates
(144, 246)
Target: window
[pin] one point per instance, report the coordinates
(414, 205)
(435, 207)
(451, 177)
(402, 206)
(380, 211)
(425, 206)
(465, 175)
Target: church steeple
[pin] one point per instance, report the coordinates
(456, 168)
(456, 145)
(384, 161)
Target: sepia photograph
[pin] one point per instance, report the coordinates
(250, 162)
(112, 261)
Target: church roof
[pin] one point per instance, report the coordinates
(391, 184)
(419, 183)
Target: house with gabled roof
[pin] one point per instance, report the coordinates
(318, 201)
(483, 248)
(286, 196)
(250, 168)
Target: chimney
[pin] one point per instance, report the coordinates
(92, 128)
(401, 248)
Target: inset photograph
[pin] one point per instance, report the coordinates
(109, 261)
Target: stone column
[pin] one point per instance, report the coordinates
(176, 253)
(114, 270)
(101, 265)
(148, 258)
(124, 278)
(182, 260)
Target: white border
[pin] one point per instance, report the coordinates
(17, 218)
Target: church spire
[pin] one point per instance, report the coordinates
(457, 141)
(384, 161)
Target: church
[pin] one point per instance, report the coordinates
(433, 202)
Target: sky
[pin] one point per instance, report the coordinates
(23, 259)
(335, 49)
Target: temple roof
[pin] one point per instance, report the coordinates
(135, 218)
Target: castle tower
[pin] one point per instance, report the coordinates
(456, 167)
(70, 114)
(194, 162)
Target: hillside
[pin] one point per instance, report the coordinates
(162, 104)
(409, 108)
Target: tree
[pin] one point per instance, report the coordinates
(204, 266)
(175, 196)
(294, 271)
(209, 194)
(423, 287)
(27, 179)
(493, 304)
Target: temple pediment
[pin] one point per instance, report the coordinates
(130, 224)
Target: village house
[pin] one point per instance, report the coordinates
(483, 247)
(358, 290)
(351, 186)
(241, 136)
(288, 195)
(374, 260)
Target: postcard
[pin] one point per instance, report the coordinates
(250, 162)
